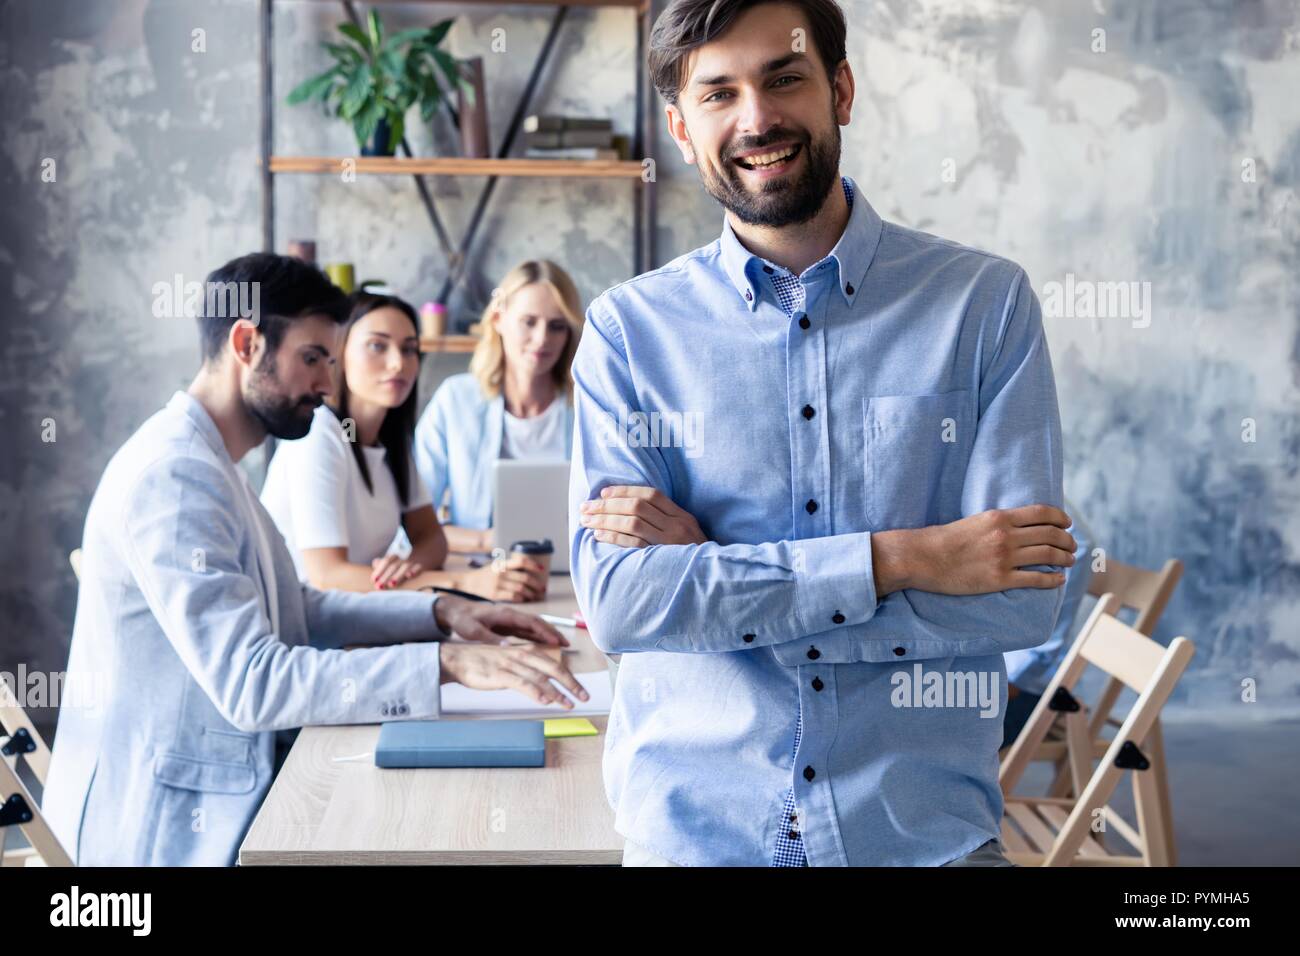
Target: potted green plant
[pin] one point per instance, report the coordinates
(376, 79)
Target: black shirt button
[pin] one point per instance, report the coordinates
(849, 288)
(811, 506)
(804, 323)
(838, 618)
(747, 638)
(817, 684)
(900, 651)
(809, 773)
(768, 269)
(813, 653)
(809, 411)
(794, 818)
(794, 834)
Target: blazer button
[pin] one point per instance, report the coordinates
(809, 773)
(817, 684)
(849, 288)
(900, 651)
(809, 411)
(813, 653)
(838, 618)
(811, 506)
(748, 638)
(804, 323)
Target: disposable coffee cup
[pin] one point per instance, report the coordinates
(539, 551)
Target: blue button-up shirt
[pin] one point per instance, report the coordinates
(913, 388)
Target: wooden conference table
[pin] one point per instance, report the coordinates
(322, 812)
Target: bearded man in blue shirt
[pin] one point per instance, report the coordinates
(816, 488)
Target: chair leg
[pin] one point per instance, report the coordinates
(1151, 824)
(1159, 768)
(1060, 780)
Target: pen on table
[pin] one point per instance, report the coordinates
(563, 621)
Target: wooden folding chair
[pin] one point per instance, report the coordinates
(1146, 593)
(20, 739)
(1058, 831)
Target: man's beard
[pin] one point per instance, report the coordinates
(281, 415)
(779, 202)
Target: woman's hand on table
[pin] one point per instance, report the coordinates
(390, 571)
(514, 578)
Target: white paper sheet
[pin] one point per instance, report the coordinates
(459, 699)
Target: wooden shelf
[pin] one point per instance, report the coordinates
(459, 166)
(450, 344)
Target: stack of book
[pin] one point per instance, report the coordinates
(571, 137)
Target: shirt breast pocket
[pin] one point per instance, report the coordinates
(916, 448)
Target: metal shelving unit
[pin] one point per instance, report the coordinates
(457, 254)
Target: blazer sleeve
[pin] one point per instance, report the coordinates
(181, 540)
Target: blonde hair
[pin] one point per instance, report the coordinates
(488, 364)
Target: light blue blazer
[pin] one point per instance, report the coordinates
(164, 753)
(457, 439)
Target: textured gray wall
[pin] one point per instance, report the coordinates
(993, 123)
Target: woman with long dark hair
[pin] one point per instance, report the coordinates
(341, 495)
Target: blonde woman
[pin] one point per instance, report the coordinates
(516, 401)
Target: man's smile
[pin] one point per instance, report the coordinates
(769, 160)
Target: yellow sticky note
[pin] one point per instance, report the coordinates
(569, 727)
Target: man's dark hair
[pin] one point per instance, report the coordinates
(685, 25)
(286, 289)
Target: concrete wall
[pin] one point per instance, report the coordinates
(1165, 150)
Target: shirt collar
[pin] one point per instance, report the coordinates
(852, 254)
(193, 409)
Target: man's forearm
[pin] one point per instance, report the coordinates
(706, 598)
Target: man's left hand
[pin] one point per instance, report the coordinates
(635, 516)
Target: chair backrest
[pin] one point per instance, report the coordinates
(1143, 591)
(1133, 660)
(20, 740)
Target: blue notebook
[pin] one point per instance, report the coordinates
(461, 743)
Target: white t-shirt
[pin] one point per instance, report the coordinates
(315, 493)
(539, 437)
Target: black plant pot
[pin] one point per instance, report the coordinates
(378, 145)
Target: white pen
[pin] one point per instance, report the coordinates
(559, 621)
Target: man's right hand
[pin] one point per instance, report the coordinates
(525, 669)
(981, 554)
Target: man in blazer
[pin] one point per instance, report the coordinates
(191, 614)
